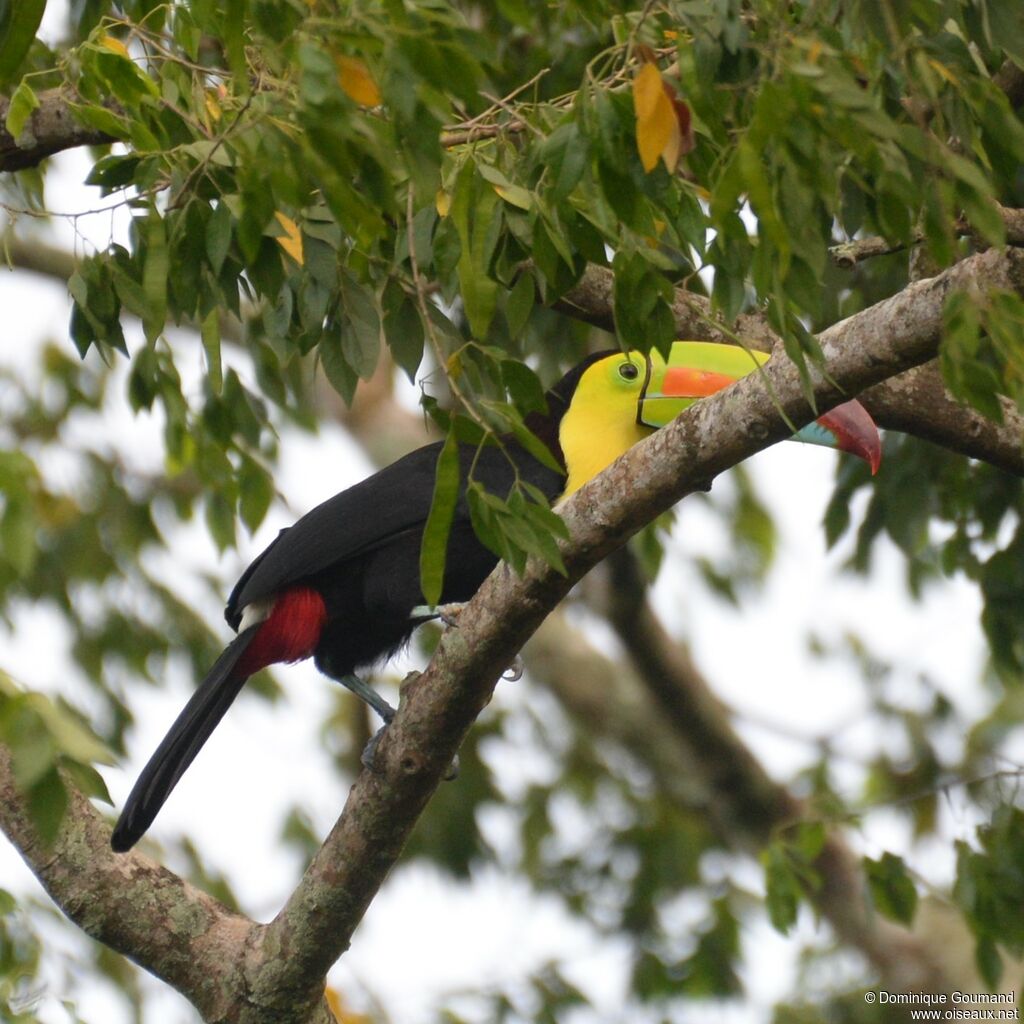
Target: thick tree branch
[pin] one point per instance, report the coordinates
(915, 403)
(137, 907)
(51, 128)
(438, 707)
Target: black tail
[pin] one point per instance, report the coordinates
(179, 747)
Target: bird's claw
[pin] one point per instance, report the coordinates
(369, 753)
(515, 671)
(369, 756)
(449, 613)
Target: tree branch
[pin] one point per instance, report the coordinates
(50, 129)
(137, 907)
(915, 403)
(848, 254)
(439, 706)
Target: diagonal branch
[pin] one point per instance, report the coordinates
(915, 403)
(439, 706)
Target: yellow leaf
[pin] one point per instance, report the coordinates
(213, 109)
(291, 240)
(674, 147)
(114, 44)
(514, 194)
(442, 202)
(655, 119)
(943, 71)
(355, 78)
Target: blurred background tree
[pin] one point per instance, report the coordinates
(313, 215)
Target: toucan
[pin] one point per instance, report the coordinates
(342, 585)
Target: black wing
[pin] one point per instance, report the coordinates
(363, 516)
(392, 502)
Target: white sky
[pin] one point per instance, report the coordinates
(424, 936)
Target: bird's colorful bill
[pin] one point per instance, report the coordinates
(696, 369)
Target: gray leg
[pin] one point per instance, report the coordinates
(365, 692)
(447, 613)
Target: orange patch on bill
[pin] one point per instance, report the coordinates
(686, 382)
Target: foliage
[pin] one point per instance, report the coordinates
(321, 190)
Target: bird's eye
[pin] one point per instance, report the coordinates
(629, 371)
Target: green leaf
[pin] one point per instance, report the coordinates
(47, 805)
(434, 548)
(154, 277)
(360, 326)
(234, 13)
(23, 102)
(403, 329)
(475, 214)
(220, 519)
(127, 82)
(519, 303)
(218, 236)
(33, 752)
(892, 889)
(255, 493)
(87, 780)
(339, 373)
(783, 889)
(103, 120)
(19, 22)
(210, 334)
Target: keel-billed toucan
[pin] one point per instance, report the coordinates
(342, 585)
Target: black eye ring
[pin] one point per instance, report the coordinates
(629, 371)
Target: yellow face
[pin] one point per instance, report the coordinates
(601, 421)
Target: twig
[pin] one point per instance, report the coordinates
(847, 255)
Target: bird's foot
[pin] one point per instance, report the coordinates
(369, 753)
(515, 671)
(447, 613)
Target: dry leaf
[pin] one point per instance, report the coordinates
(663, 123)
(115, 45)
(213, 109)
(291, 240)
(655, 119)
(355, 78)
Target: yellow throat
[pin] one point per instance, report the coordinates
(601, 421)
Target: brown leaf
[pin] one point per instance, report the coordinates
(355, 78)
(657, 129)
